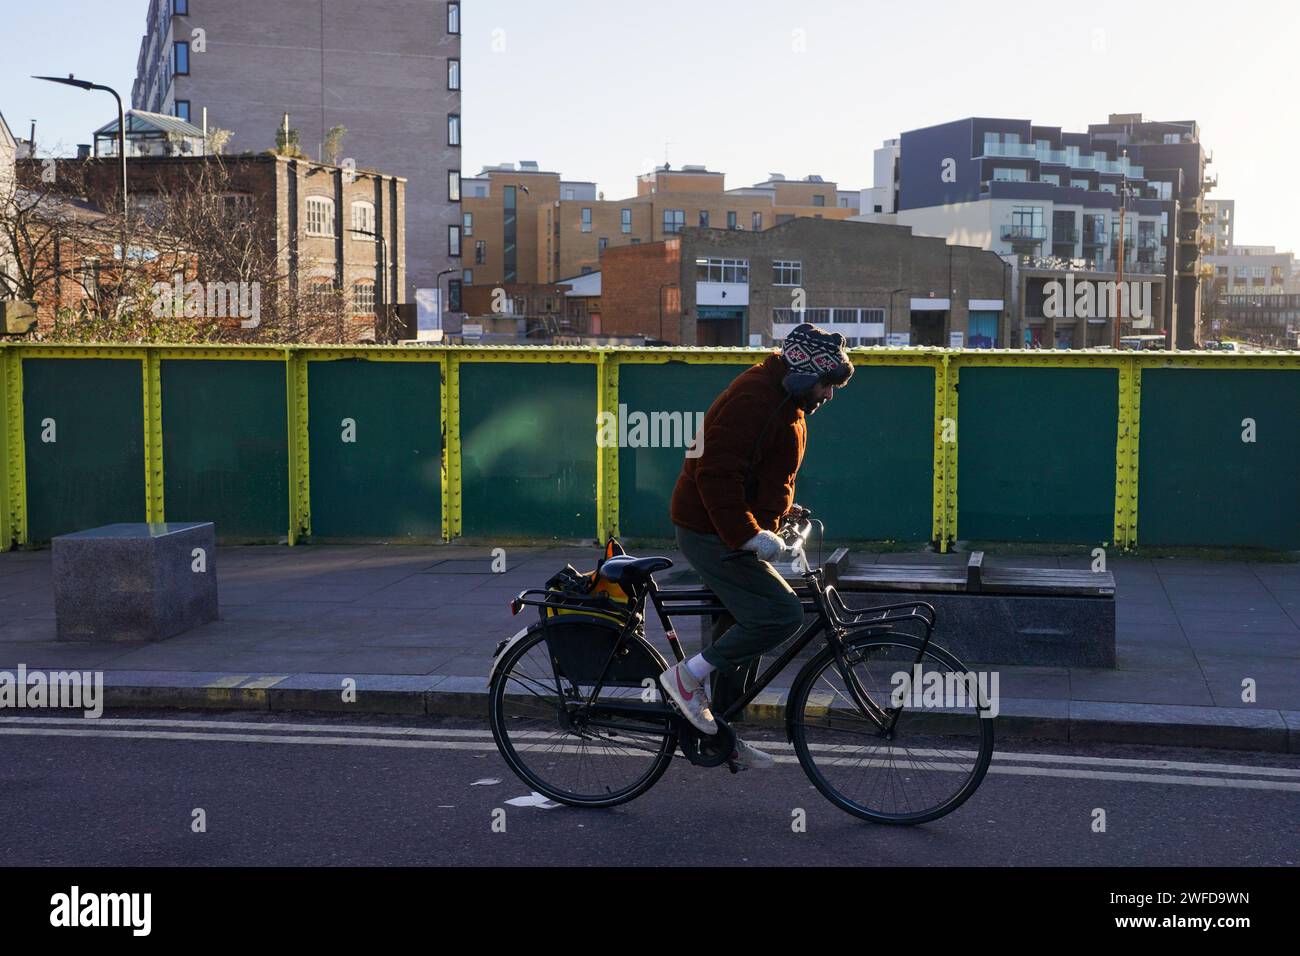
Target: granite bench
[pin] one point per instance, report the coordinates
(1043, 616)
(134, 582)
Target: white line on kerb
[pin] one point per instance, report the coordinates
(39, 727)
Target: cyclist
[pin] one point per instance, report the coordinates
(733, 496)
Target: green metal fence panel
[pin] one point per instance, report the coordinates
(225, 446)
(1036, 454)
(1201, 481)
(867, 475)
(868, 472)
(83, 430)
(376, 449)
(647, 474)
(528, 449)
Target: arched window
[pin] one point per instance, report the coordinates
(363, 221)
(320, 216)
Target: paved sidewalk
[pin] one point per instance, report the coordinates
(416, 627)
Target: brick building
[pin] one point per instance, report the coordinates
(876, 284)
(526, 225)
(335, 229)
(387, 71)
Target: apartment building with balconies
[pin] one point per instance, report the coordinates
(387, 71)
(1051, 202)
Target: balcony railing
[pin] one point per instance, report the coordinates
(1012, 233)
(1060, 157)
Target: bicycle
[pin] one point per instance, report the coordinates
(577, 713)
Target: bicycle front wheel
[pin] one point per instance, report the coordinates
(577, 750)
(923, 760)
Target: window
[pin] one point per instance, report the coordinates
(453, 294)
(453, 74)
(1080, 184)
(453, 185)
(757, 221)
(586, 270)
(453, 241)
(635, 241)
(787, 273)
(626, 221)
(674, 220)
(363, 221)
(90, 277)
(363, 298)
(731, 220)
(453, 129)
(586, 219)
(1108, 188)
(704, 219)
(480, 252)
(321, 294)
(180, 8)
(320, 216)
(819, 200)
(453, 18)
(182, 110)
(783, 217)
(1027, 223)
(469, 224)
(602, 245)
(467, 276)
(1053, 178)
(722, 270)
(181, 58)
(1003, 174)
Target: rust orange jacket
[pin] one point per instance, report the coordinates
(711, 495)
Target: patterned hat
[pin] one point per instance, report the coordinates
(814, 355)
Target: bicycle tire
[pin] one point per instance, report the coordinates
(805, 683)
(641, 662)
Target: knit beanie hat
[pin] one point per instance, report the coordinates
(814, 355)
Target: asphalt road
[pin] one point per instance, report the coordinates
(324, 790)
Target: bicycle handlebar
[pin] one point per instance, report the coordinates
(796, 525)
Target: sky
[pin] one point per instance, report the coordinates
(604, 89)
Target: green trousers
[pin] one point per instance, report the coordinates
(766, 611)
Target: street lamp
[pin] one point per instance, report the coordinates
(121, 131)
(891, 311)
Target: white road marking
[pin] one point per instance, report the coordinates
(121, 730)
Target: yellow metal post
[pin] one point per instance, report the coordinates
(295, 368)
(151, 368)
(15, 473)
(606, 453)
(451, 474)
(944, 523)
(1126, 454)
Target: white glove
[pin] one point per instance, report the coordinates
(766, 544)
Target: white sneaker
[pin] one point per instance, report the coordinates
(746, 757)
(686, 691)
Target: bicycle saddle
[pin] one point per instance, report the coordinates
(624, 568)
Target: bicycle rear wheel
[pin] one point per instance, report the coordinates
(935, 757)
(583, 754)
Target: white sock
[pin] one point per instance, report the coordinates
(699, 667)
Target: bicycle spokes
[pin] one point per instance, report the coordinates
(903, 756)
